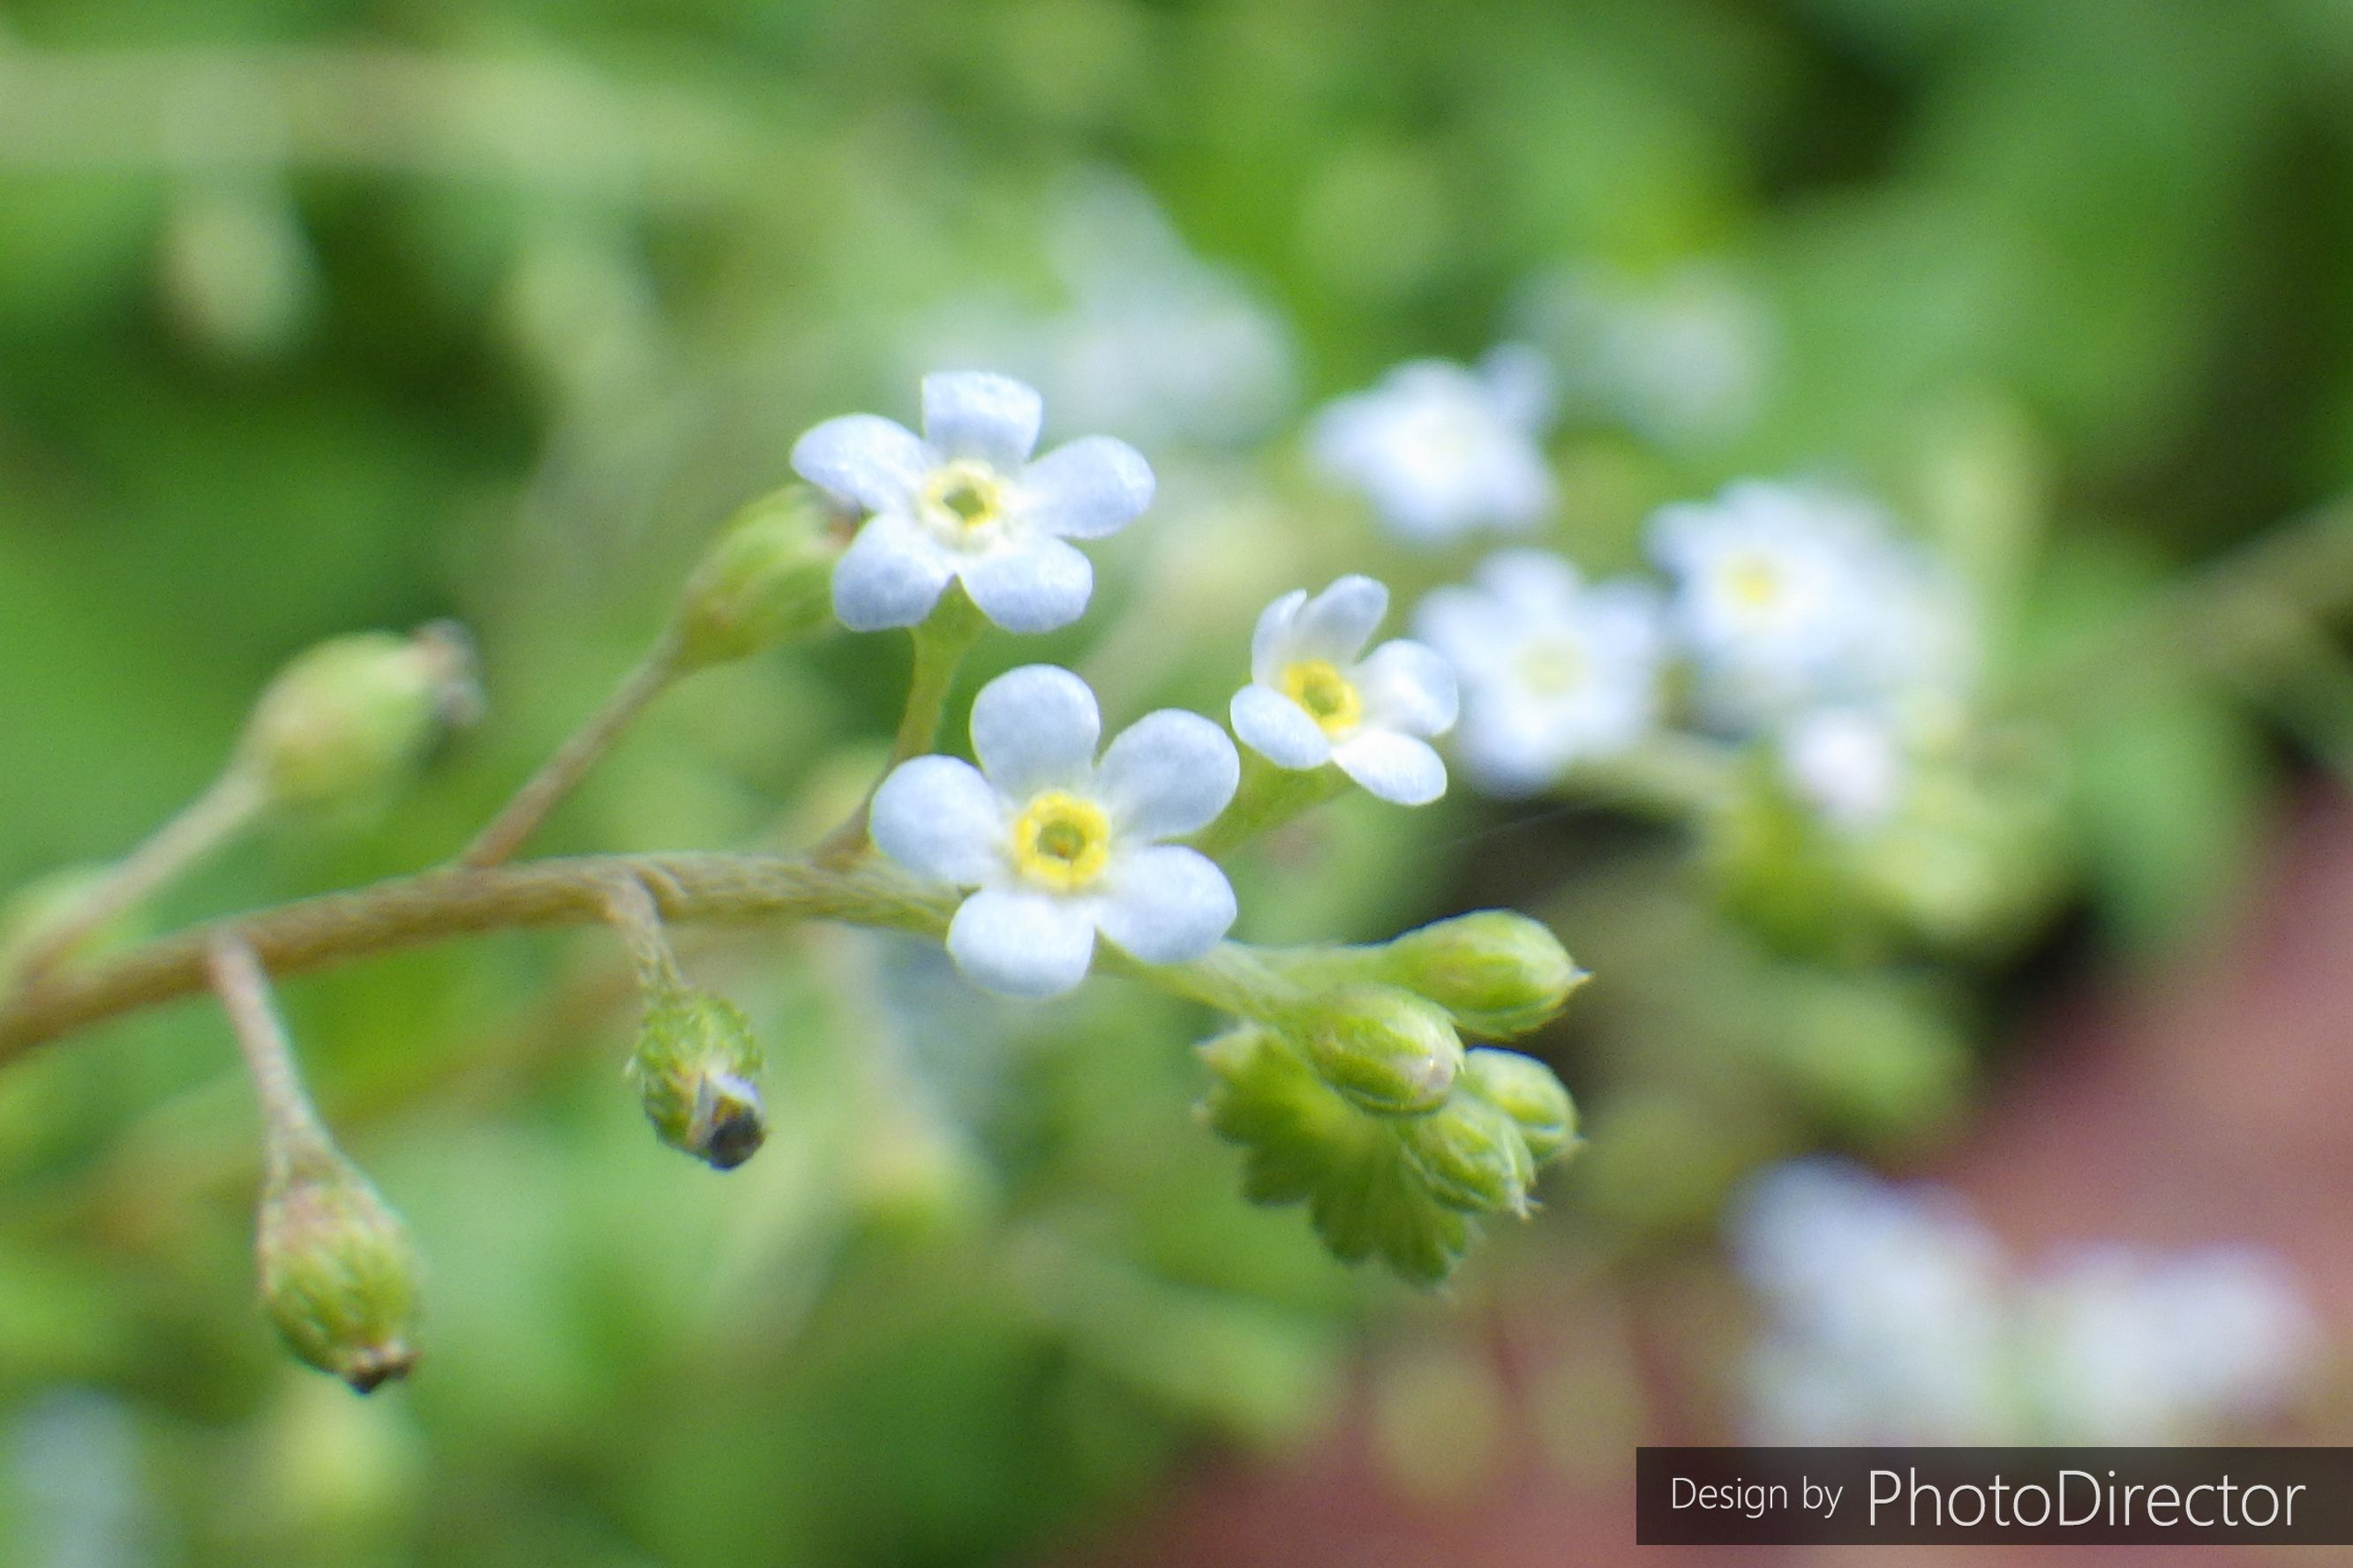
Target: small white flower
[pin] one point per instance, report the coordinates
(1554, 672)
(1059, 847)
(1788, 598)
(1440, 450)
(963, 500)
(1846, 764)
(1313, 700)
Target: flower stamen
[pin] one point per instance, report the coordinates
(962, 499)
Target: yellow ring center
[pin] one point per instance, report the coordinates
(963, 498)
(1329, 696)
(1060, 841)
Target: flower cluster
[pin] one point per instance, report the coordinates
(1790, 617)
(1893, 1317)
(1346, 1082)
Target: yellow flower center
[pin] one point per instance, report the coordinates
(1554, 667)
(1330, 699)
(1754, 582)
(962, 499)
(1060, 841)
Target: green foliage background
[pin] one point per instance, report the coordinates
(523, 298)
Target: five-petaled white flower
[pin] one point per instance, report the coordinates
(1313, 700)
(1442, 450)
(1059, 847)
(1554, 672)
(963, 500)
(1788, 597)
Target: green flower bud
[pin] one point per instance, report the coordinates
(338, 1273)
(1525, 1090)
(1498, 973)
(351, 715)
(1387, 1050)
(767, 580)
(1472, 1156)
(693, 1067)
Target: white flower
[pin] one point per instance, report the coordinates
(2130, 1346)
(1440, 450)
(1058, 847)
(1312, 701)
(1894, 1317)
(963, 500)
(1848, 765)
(1554, 673)
(1790, 597)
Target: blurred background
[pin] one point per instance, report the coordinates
(323, 314)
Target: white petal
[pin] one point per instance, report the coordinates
(1167, 775)
(1536, 583)
(890, 575)
(1086, 489)
(1521, 382)
(1466, 627)
(1406, 686)
(971, 413)
(1167, 904)
(1271, 639)
(938, 817)
(1017, 941)
(1337, 623)
(865, 459)
(1035, 728)
(1393, 766)
(1035, 584)
(1278, 729)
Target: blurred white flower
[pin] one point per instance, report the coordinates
(1313, 699)
(1681, 359)
(1893, 1318)
(1554, 672)
(1848, 765)
(1790, 597)
(1149, 341)
(1059, 847)
(963, 501)
(1440, 450)
(2130, 1347)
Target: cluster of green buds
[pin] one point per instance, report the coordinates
(1357, 1096)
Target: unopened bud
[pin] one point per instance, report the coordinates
(353, 715)
(1387, 1050)
(694, 1067)
(338, 1273)
(768, 579)
(1525, 1090)
(1498, 973)
(1472, 1156)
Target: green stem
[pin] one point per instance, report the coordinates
(296, 1137)
(1269, 797)
(654, 674)
(942, 641)
(226, 808)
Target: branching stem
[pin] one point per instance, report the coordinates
(561, 773)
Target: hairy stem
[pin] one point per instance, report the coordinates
(561, 773)
(206, 823)
(316, 932)
(297, 1136)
